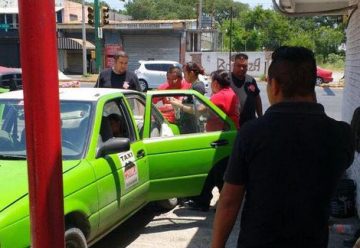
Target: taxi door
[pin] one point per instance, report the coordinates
(182, 150)
(122, 178)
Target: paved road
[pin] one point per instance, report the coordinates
(330, 98)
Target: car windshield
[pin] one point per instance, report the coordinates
(75, 122)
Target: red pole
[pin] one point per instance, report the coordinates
(38, 48)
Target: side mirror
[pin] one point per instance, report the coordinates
(113, 145)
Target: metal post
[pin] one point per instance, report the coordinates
(84, 38)
(230, 38)
(38, 48)
(97, 38)
(199, 34)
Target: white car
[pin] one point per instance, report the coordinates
(152, 73)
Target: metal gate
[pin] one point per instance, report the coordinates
(9, 53)
(151, 47)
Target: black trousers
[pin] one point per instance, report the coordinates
(215, 178)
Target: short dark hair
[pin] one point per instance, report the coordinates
(114, 117)
(192, 66)
(175, 68)
(241, 56)
(121, 54)
(294, 69)
(222, 77)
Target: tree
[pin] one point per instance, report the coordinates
(327, 40)
(160, 9)
(221, 9)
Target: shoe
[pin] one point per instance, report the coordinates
(193, 205)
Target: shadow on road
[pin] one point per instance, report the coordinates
(328, 91)
(128, 231)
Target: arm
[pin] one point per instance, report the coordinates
(259, 111)
(133, 81)
(98, 82)
(230, 201)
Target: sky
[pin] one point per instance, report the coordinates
(118, 4)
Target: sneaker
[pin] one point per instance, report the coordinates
(193, 205)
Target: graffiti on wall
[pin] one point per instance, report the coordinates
(252, 66)
(212, 61)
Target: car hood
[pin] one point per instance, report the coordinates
(14, 180)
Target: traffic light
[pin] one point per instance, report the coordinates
(105, 15)
(90, 16)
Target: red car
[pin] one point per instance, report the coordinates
(323, 76)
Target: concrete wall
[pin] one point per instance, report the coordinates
(212, 61)
(72, 8)
(351, 98)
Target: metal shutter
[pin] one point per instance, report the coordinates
(155, 47)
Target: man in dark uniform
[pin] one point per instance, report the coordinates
(118, 76)
(286, 163)
(246, 89)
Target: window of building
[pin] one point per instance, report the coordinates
(73, 17)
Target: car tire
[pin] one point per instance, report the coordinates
(74, 238)
(168, 204)
(319, 80)
(143, 85)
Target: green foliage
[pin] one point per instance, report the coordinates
(252, 29)
(301, 39)
(327, 40)
(337, 60)
(160, 9)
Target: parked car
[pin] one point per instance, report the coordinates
(152, 73)
(11, 79)
(323, 76)
(107, 179)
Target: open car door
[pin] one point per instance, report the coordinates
(183, 144)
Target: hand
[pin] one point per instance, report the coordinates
(175, 102)
(126, 85)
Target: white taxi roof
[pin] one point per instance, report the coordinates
(73, 94)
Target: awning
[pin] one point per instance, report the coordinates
(15, 10)
(65, 43)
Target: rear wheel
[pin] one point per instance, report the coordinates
(74, 238)
(168, 204)
(143, 85)
(319, 81)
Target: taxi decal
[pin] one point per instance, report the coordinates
(130, 169)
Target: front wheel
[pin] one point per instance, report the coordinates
(143, 85)
(74, 238)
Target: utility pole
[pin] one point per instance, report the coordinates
(97, 33)
(83, 38)
(199, 27)
(230, 38)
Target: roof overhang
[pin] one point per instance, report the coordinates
(65, 43)
(15, 10)
(314, 7)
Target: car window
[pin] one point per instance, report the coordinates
(157, 67)
(194, 117)
(158, 126)
(75, 125)
(137, 106)
(11, 79)
(116, 122)
(153, 67)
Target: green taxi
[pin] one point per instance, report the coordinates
(107, 179)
